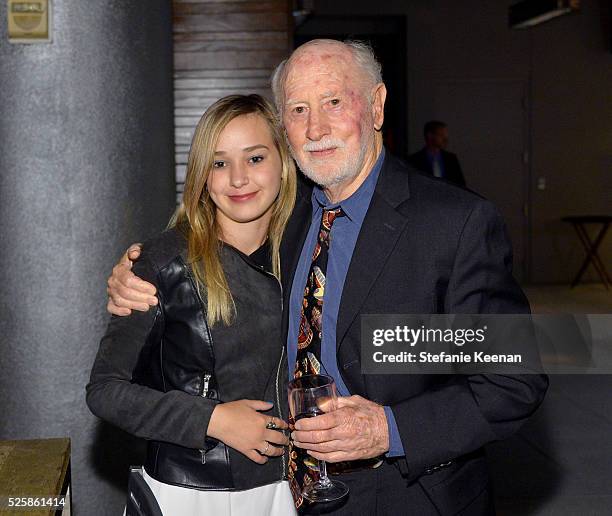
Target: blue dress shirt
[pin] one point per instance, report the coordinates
(436, 159)
(343, 238)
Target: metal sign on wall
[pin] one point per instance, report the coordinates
(29, 22)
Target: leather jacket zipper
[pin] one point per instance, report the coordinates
(278, 371)
(205, 382)
(205, 376)
(278, 404)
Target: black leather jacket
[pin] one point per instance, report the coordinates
(158, 375)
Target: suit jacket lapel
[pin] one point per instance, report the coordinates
(291, 246)
(379, 233)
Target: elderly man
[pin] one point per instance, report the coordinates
(391, 253)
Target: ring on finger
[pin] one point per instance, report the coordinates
(271, 425)
(266, 448)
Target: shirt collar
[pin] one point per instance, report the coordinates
(433, 155)
(355, 206)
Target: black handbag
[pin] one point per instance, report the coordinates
(140, 499)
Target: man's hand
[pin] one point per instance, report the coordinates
(126, 291)
(357, 429)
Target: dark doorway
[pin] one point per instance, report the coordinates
(494, 161)
(387, 35)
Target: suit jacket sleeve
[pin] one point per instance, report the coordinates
(467, 412)
(174, 416)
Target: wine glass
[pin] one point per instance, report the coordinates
(310, 396)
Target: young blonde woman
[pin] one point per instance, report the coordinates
(200, 376)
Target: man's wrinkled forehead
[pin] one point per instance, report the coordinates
(312, 64)
(321, 55)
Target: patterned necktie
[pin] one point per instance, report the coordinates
(308, 360)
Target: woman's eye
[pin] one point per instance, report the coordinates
(219, 164)
(256, 159)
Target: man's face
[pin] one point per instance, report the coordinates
(439, 137)
(327, 116)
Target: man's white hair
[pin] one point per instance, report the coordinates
(363, 56)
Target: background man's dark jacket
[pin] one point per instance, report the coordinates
(426, 246)
(452, 169)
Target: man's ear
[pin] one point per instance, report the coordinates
(379, 95)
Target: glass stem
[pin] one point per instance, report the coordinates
(324, 481)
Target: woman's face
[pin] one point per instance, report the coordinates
(246, 175)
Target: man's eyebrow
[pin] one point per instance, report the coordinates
(324, 95)
(328, 94)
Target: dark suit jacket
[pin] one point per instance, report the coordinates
(410, 260)
(452, 169)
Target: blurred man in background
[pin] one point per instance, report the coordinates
(434, 159)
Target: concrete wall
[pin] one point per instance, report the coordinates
(86, 166)
(564, 69)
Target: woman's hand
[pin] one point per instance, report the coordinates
(240, 425)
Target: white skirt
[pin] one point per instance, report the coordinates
(269, 500)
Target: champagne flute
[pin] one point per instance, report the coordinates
(311, 396)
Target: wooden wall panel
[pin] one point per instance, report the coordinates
(222, 47)
(232, 7)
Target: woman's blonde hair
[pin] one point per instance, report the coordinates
(196, 214)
